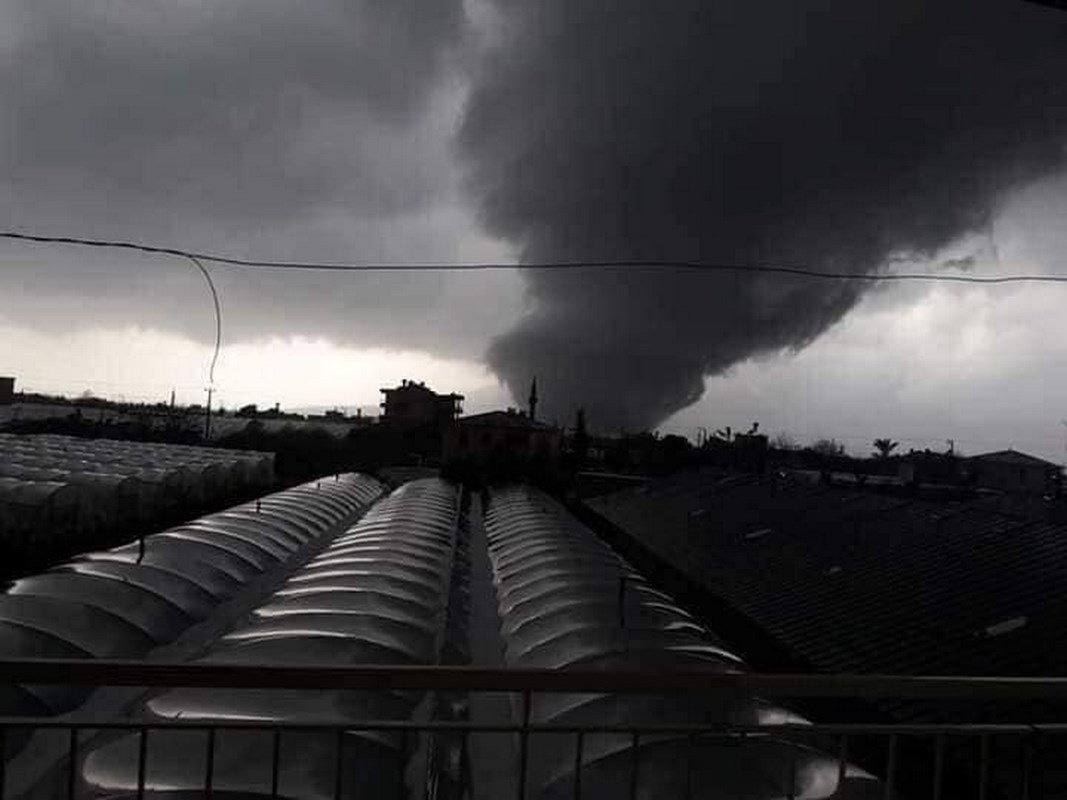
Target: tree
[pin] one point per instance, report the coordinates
(884, 447)
(827, 447)
(783, 441)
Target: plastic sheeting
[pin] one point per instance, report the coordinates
(378, 594)
(111, 483)
(567, 600)
(123, 602)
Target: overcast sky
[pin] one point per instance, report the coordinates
(500, 131)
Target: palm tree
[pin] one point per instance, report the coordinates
(884, 447)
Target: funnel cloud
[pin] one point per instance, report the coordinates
(838, 136)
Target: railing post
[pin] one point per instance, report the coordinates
(524, 744)
(983, 766)
(464, 766)
(891, 767)
(842, 763)
(338, 767)
(275, 761)
(939, 765)
(690, 746)
(635, 751)
(3, 763)
(72, 764)
(209, 766)
(401, 787)
(579, 747)
(1027, 766)
(142, 762)
(791, 785)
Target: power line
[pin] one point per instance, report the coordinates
(626, 264)
(194, 257)
(218, 319)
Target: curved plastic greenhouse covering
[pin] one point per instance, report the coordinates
(377, 594)
(112, 483)
(31, 507)
(122, 603)
(568, 600)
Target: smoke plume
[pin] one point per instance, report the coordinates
(835, 135)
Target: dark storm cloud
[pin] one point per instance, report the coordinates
(837, 134)
(251, 106)
(263, 128)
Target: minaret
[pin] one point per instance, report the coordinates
(533, 399)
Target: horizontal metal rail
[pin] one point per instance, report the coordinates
(645, 729)
(100, 672)
(965, 769)
(970, 763)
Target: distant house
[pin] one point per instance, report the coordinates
(927, 467)
(412, 404)
(1012, 471)
(511, 435)
(7, 391)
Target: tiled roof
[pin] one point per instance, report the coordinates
(502, 419)
(855, 581)
(1013, 457)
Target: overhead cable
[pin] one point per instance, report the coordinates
(590, 264)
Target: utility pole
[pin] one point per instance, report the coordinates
(207, 414)
(533, 399)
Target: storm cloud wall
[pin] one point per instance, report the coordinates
(836, 136)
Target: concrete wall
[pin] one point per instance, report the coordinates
(480, 443)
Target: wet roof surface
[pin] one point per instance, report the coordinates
(122, 603)
(853, 581)
(385, 605)
(567, 600)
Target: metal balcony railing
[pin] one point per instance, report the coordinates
(922, 760)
